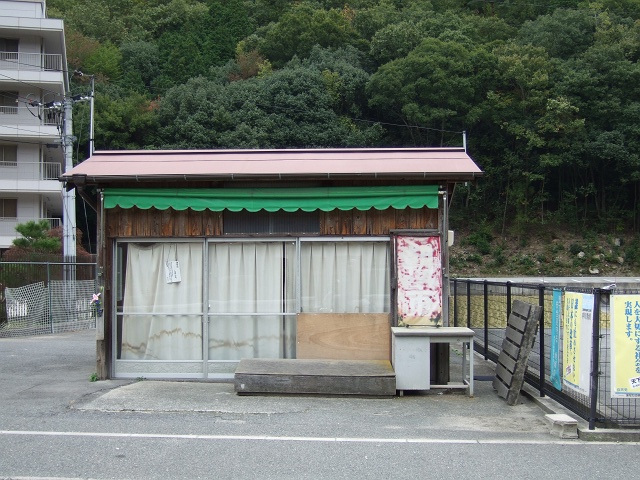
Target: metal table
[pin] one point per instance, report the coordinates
(411, 356)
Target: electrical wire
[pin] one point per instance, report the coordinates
(25, 142)
(37, 133)
(30, 84)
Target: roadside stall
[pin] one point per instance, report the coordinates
(210, 257)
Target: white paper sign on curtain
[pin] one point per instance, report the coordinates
(172, 271)
(172, 268)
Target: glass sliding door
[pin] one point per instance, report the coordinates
(159, 309)
(194, 309)
(251, 300)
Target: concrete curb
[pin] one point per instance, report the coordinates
(552, 407)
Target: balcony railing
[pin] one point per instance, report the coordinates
(30, 61)
(23, 114)
(30, 170)
(8, 225)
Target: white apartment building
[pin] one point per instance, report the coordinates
(33, 82)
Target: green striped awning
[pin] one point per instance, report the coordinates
(273, 199)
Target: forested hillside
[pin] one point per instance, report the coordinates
(547, 91)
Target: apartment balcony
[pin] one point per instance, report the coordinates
(37, 69)
(30, 122)
(34, 62)
(30, 177)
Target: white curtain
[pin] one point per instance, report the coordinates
(251, 287)
(249, 278)
(345, 277)
(162, 321)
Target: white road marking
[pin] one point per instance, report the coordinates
(268, 438)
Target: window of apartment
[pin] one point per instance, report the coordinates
(8, 208)
(9, 102)
(9, 49)
(8, 155)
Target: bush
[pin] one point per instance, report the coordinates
(481, 239)
(632, 252)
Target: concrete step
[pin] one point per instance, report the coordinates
(326, 377)
(562, 425)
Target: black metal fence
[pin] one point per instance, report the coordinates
(46, 297)
(484, 306)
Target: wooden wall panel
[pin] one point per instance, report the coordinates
(387, 221)
(152, 223)
(343, 336)
(124, 226)
(329, 223)
(195, 224)
(180, 223)
(212, 224)
(346, 222)
(374, 222)
(155, 222)
(143, 224)
(166, 222)
(359, 222)
(402, 219)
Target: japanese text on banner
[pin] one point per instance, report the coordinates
(625, 351)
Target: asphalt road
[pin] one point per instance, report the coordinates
(55, 423)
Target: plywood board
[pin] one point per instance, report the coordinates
(343, 336)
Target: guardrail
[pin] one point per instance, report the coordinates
(484, 306)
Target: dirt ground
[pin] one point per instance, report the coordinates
(548, 254)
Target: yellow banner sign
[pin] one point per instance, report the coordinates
(625, 350)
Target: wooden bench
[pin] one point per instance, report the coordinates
(516, 347)
(325, 377)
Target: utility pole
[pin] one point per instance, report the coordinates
(69, 196)
(92, 101)
(68, 199)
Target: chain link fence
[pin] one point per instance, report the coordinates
(484, 306)
(39, 298)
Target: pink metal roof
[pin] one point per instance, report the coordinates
(141, 165)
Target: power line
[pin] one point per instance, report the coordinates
(30, 84)
(266, 107)
(4, 142)
(26, 130)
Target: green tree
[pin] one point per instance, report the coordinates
(604, 83)
(292, 107)
(433, 86)
(303, 27)
(104, 62)
(140, 65)
(563, 34)
(369, 20)
(35, 237)
(514, 107)
(123, 123)
(209, 40)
